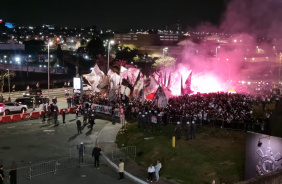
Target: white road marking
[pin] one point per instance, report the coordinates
(11, 127)
(48, 131)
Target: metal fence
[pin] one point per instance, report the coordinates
(54, 166)
(129, 151)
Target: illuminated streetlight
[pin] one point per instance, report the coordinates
(110, 42)
(9, 84)
(50, 43)
(280, 66)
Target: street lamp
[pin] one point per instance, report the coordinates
(218, 47)
(9, 84)
(280, 66)
(110, 42)
(164, 50)
(50, 43)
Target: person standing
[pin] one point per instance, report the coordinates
(78, 125)
(44, 111)
(96, 154)
(121, 169)
(157, 170)
(187, 131)
(92, 119)
(177, 130)
(151, 170)
(113, 115)
(55, 114)
(64, 117)
(1, 174)
(33, 103)
(81, 150)
(193, 130)
(13, 176)
(122, 117)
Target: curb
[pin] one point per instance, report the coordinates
(132, 177)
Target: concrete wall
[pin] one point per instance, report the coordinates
(271, 178)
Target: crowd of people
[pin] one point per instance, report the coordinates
(225, 110)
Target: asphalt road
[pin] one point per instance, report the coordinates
(58, 92)
(29, 142)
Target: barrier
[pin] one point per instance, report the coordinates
(17, 117)
(6, 119)
(26, 116)
(34, 115)
(72, 110)
(61, 111)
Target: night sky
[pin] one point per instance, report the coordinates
(118, 15)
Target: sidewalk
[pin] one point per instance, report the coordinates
(106, 140)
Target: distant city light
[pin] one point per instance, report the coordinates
(17, 59)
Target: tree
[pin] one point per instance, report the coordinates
(125, 53)
(164, 62)
(96, 47)
(4, 75)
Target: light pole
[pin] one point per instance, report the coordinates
(50, 43)
(9, 84)
(280, 66)
(110, 42)
(164, 50)
(218, 47)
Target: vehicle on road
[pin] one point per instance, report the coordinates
(25, 101)
(28, 101)
(32, 93)
(11, 107)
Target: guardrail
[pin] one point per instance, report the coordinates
(53, 166)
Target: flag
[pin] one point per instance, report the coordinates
(110, 72)
(169, 79)
(123, 72)
(125, 82)
(157, 76)
(95, 77)
(138, 87)
(114, 81)
(103, 83)
(164, 79)
(150, 86)
(124, 90)
(132, 75)
(160, 98)
(187, 85)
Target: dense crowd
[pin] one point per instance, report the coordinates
(224, 110)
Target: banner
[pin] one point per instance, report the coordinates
(105, 109)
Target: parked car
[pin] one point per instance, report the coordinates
(86, 87)
(10, 107)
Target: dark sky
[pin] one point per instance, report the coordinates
(119, 15)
